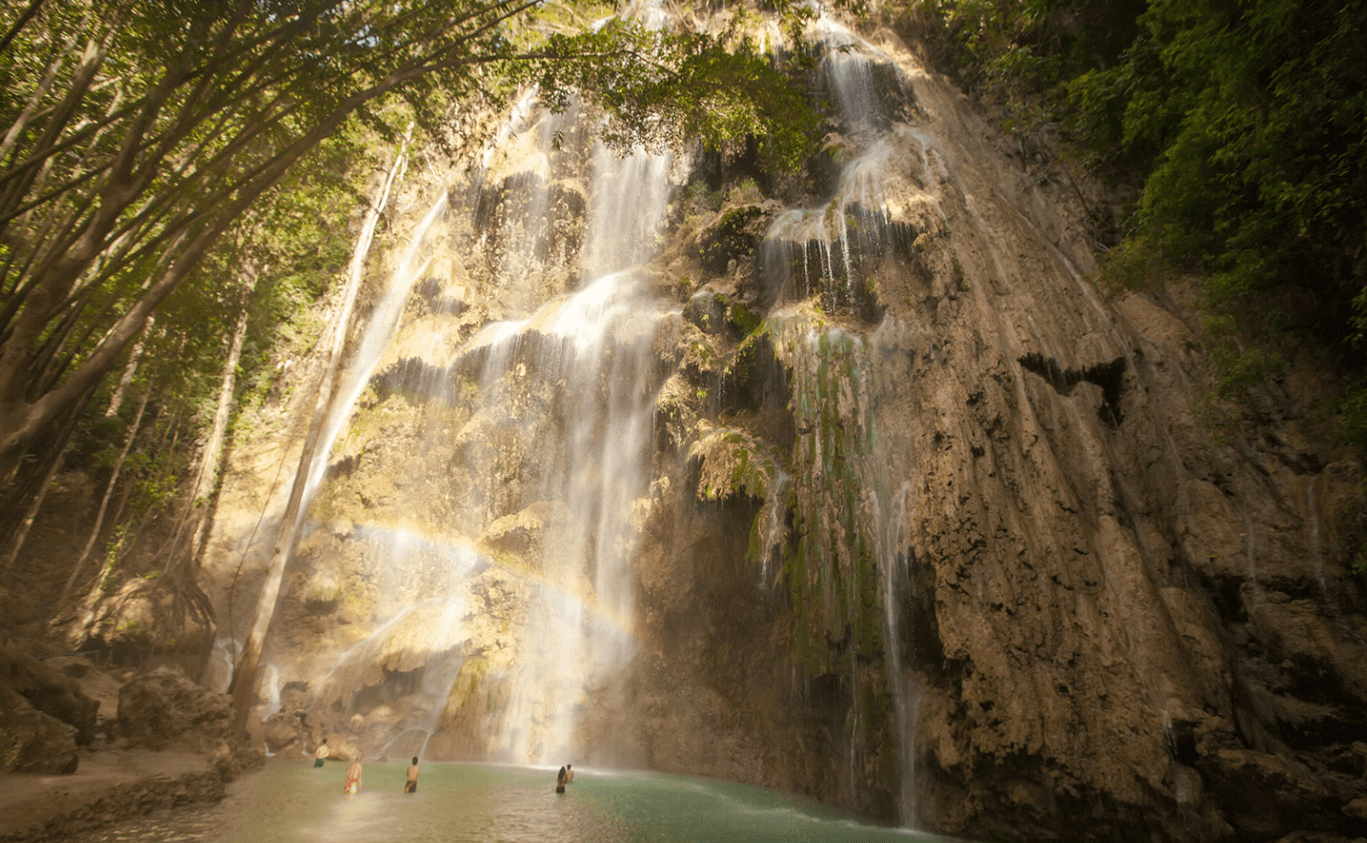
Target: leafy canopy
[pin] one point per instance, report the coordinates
(138, 133)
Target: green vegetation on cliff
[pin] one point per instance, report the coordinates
(1241, 125)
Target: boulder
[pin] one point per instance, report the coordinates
(282, 730)
(164, 707)
(734, 235)
(49, 692)
(141, 615)
(33, 742)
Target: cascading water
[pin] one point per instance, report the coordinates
(839, 381)
(379, 331)
(593, 348)
(492, 578)
(557, 402)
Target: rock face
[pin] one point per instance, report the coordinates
(43, 716)
(159, 708)
(33, 742)
(164, 709)
(849, 484)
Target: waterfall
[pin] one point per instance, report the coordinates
(550, 405)
(593, 347)
(378, 332)
(860, 472)
(815, 480)
(505, 388)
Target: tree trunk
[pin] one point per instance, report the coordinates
(116, 400)
(50, 458)
(31, 514)
(104, 503)
(243, 686)
(193, 521)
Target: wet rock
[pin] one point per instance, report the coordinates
(521, 533)
(33, 742)
(1310, 645)
(733, 236)
(706, 311)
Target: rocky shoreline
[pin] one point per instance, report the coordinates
(107, 787)
(85, 746)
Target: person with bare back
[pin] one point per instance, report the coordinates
(411, 786)
(353, 777)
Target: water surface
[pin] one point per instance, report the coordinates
(290, 802)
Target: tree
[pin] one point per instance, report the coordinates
(138, 132)
(244, 672)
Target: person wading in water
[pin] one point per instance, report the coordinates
(411, 786)
(353, 777)
(560, 781)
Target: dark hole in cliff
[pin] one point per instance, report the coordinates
(1109, 376)
(430, 290)
(1179, 739)
(756, 389)
(1226, 592)
(823, 173)
(824, 693)
(395, 686)
(717, 168)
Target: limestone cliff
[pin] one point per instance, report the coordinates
(849, 483)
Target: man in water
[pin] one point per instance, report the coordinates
(353, 777)
(412, 785)
(320, 753)
(569, 774)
